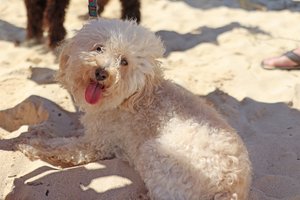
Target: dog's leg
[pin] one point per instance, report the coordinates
(131, 9)
(35, 12)
(171, 171)
(101, 4)
(65, 152)
(54, 19)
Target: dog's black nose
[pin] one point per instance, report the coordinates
(101, 74)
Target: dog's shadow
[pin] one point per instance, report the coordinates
(271, 132)
(174, 41)
(105, 180)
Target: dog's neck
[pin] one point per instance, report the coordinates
(143, 98)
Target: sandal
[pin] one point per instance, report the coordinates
(290, 55)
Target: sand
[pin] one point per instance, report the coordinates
(214, 48)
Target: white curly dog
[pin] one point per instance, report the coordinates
(181, 147)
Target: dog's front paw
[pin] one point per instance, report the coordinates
(226, 196)
(35, 152)
(28, 150)
(33, 148)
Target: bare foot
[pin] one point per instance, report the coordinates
(287, 61)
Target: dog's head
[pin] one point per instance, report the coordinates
(111, 63)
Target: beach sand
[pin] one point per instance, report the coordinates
(214, 48)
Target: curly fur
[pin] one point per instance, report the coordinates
(180, 145)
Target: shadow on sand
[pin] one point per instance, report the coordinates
(79, 182)
(180, 42)
(245, 4)
(42, 75)
(11, 33)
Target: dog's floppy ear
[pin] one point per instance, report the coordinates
(144, 96)
(64, 56)
(134, 101)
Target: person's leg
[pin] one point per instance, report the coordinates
(287, 61)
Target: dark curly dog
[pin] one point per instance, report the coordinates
(130, 9)
(50, 15)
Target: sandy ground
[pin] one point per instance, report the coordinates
(214, 48)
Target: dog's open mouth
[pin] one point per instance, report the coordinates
(93, 92)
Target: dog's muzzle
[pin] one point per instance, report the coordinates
(101, 74)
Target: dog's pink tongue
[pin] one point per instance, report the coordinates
(93, 93)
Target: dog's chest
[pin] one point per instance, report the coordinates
(119, 126)
(125, 131)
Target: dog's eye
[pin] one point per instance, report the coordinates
(124, 62)
(100, 49)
